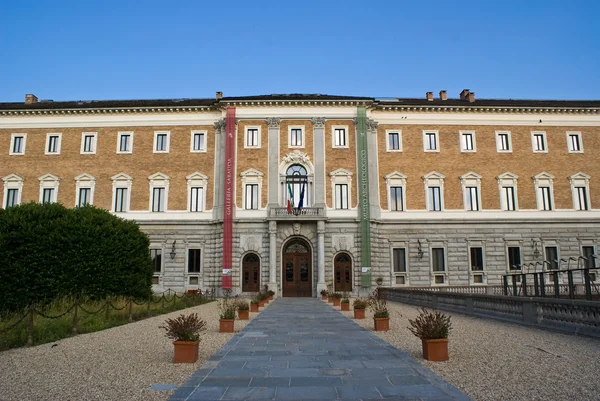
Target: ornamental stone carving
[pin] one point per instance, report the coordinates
(342, 242)
(297, 228)
(318, 122)
(250, 243)
(372, 124)
(220, 125)
(273, 122)
(296, 157)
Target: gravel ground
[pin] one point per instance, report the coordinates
(490, 360)
(115, 364)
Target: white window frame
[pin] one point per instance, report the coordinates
(333, 136)
(405, 274)
(534, 143)
(444, 274)
(258, 137)
(579, 138)
(395, 179)
(387, 140)
(302, 130)
(471, 180)
(196, 180)
(540, 181)
(340, 177)
(119, 151)
(86, 181)
(251, 200)
(426, 142)
(434, 179)
(192, 136)
(250, 177)
(167, 144)
(498, 142)
(461, 136)
(94, 135)
(49, 181)
(58, 143)
(121, 180)
(12, 144)
(12, 181)
(580, 180)
(508, 179)
(479, 273)
(155, 181)
(341, 197)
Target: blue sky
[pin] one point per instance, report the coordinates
(133, 49)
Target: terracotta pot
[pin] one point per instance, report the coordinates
(346, 306)
(185, 351)
(359, 313)
(243, 314)
(336, 302)
(324, 297)
(270, 297)
(330, 300)
(262, 303)
(253, 307)
(382, 323)
(435, 350)
(226, 325)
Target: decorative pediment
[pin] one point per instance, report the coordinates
(543, 176)
(470, 176)
(580, 177)
(395, 175)
(13, 178)
(434, 175)
(251, 172)
(49, 177)
(158, 177)
(196, 176)
(121, 177)
(85, 177)
(507, 176)
(340, 172)
(296, 157)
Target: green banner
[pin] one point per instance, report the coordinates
(363, 190)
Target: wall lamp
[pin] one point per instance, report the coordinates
(419, 250)
(173, 253)
(536, 251)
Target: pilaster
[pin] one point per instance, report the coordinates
(273, 173)
(321, 285)
(219, 169)
(319, 160)
(373, 169)
(273, 257)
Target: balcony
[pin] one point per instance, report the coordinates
(305, 213)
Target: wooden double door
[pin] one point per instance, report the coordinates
(342, 273)
(297, 269)
(251, 273)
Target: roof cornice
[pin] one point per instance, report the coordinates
(299, 102)
(488, 109)
(109, 110)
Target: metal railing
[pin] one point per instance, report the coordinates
(282, 212)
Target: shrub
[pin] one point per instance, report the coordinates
(430, 325)
(241, 304)
(324, 292)
(378, 303)
(336, 295)
(227, 308)
(184, 328)
(360, 303)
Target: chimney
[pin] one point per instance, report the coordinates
(429, 96)
(464, 95)
(219, 95)
(30, 99)
(443, 95)
(471, 97)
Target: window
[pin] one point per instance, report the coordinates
(251, 197)
(88, 142)
(394, 141)
(17, 144)
(552, 257)
(193, 260)
(514, 257)
(340, 138)
(476, 259)
(434, 187)
(156, 255)
(198, 142)
(507, 184)
(399, 260)
(430, 141)
(48, 188)
(53, 144)
(83, 197)
(121, 192)
(396, 199)
(341, 196)
(471, 183)
(503, 141)
(197, 184)
(296, 186)
(161, 141)
(467, 141)
(48, 195)
(296, 137)
(125, 142)
(396, 189)
(589, 252)
(13, 186)
(438, 263)
(252, 137)
(538, 142)
(574, 143)
(580, 183)
(159, 192)
(84, 187)
(508, 198)
(543, 188)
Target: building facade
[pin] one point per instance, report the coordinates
(300, 191)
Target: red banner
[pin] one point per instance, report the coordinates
(228, 201)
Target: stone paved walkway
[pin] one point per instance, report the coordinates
(303, 349)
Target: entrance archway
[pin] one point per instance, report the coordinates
(342, 272)
(251, 273)
(296, 269)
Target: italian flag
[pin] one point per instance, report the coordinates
(290, 198)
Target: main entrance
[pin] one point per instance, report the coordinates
(342, 268)
(250, 273)
(297, 271)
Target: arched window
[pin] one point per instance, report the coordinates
(296, 186)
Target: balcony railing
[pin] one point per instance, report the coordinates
(297, 213)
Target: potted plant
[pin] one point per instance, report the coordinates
(378, 305)
(324, 294)
(433, 329)
(329, 292)
(359, 306)
(345, 305)
(336, 298)
(254, 303)
(185, 331)
(270, 293)
(243, 309)
(262, 299)
(227, 315)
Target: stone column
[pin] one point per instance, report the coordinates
(321, 285)
(219, 169)
(319, 160)
(273, 257)
(273, 175)
(373, 166)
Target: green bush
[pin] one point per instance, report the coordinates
(50, 252)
